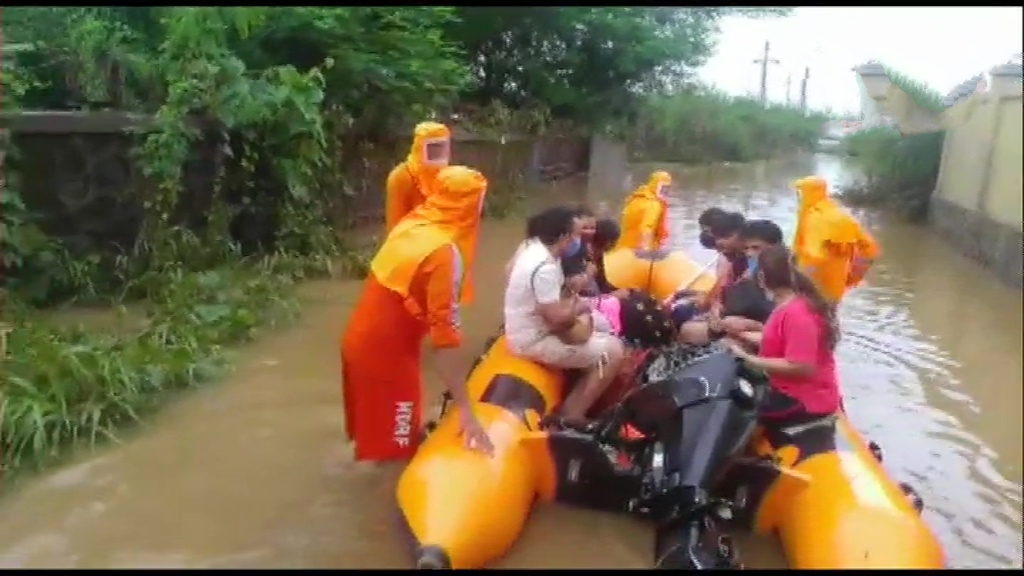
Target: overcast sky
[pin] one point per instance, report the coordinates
(939, 46)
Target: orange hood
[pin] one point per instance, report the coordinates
(654, 189)
(450, 214)
(812, 190)
(430, 152)
(831, 222)
(638, 203)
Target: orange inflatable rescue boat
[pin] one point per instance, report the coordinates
(694, 463)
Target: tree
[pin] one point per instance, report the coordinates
(583, 63)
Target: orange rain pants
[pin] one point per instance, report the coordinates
(381, 356)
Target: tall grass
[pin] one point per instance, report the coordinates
(900, 172)
(709, 126)
(925, 96)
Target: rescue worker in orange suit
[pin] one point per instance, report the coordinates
(645, 215)
(831, 247)
(410, 181)
(413, 290)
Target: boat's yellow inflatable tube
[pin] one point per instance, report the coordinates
(834, 506)
(659, 272)
(463, 508)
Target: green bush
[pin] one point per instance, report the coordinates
(64, 385)
(708, 126)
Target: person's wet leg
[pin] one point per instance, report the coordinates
(595, 381)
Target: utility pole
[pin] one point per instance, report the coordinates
(764, 71)
(803, 88)
(789, 84)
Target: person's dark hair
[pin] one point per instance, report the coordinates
(607, 234)
(777, 270)
(710, 215)
(764, 230)
(584, 211)
(727, 224)
(551, 224)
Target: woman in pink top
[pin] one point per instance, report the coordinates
(797, 345)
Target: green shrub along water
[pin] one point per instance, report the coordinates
(289, 97)
(707, 126)
(900, 172)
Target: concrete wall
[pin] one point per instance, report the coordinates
(609, 168)
(978, 203)
(78, 172)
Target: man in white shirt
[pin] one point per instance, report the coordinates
(536, 312)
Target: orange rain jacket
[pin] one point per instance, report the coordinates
(831, 247)
(646, 211)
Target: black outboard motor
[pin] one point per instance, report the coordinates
(695, 408)
(700, 415)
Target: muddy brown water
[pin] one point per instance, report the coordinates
(253, 473)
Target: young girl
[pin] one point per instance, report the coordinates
(606, 235)
(797, 345)
(632, 315)
(596, 242)
(588, 223)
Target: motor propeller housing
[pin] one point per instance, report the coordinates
(695, 410)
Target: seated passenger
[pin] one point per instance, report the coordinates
(707, 239)
(686, 303)
(728, 232)
(537, 314)
(745, 307)
(598, 237)
(576, 268)
(606, 235)
(574, 256)
(588, 224)
(576, 260)
(725, 229)
(633, 315)
(798, 345)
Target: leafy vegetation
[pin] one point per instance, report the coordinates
(288, 99)
(900, 172)
(588, 65)
(708, 126)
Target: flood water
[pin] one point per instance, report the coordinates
(253, 472)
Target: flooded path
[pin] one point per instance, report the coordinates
(253, 473)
